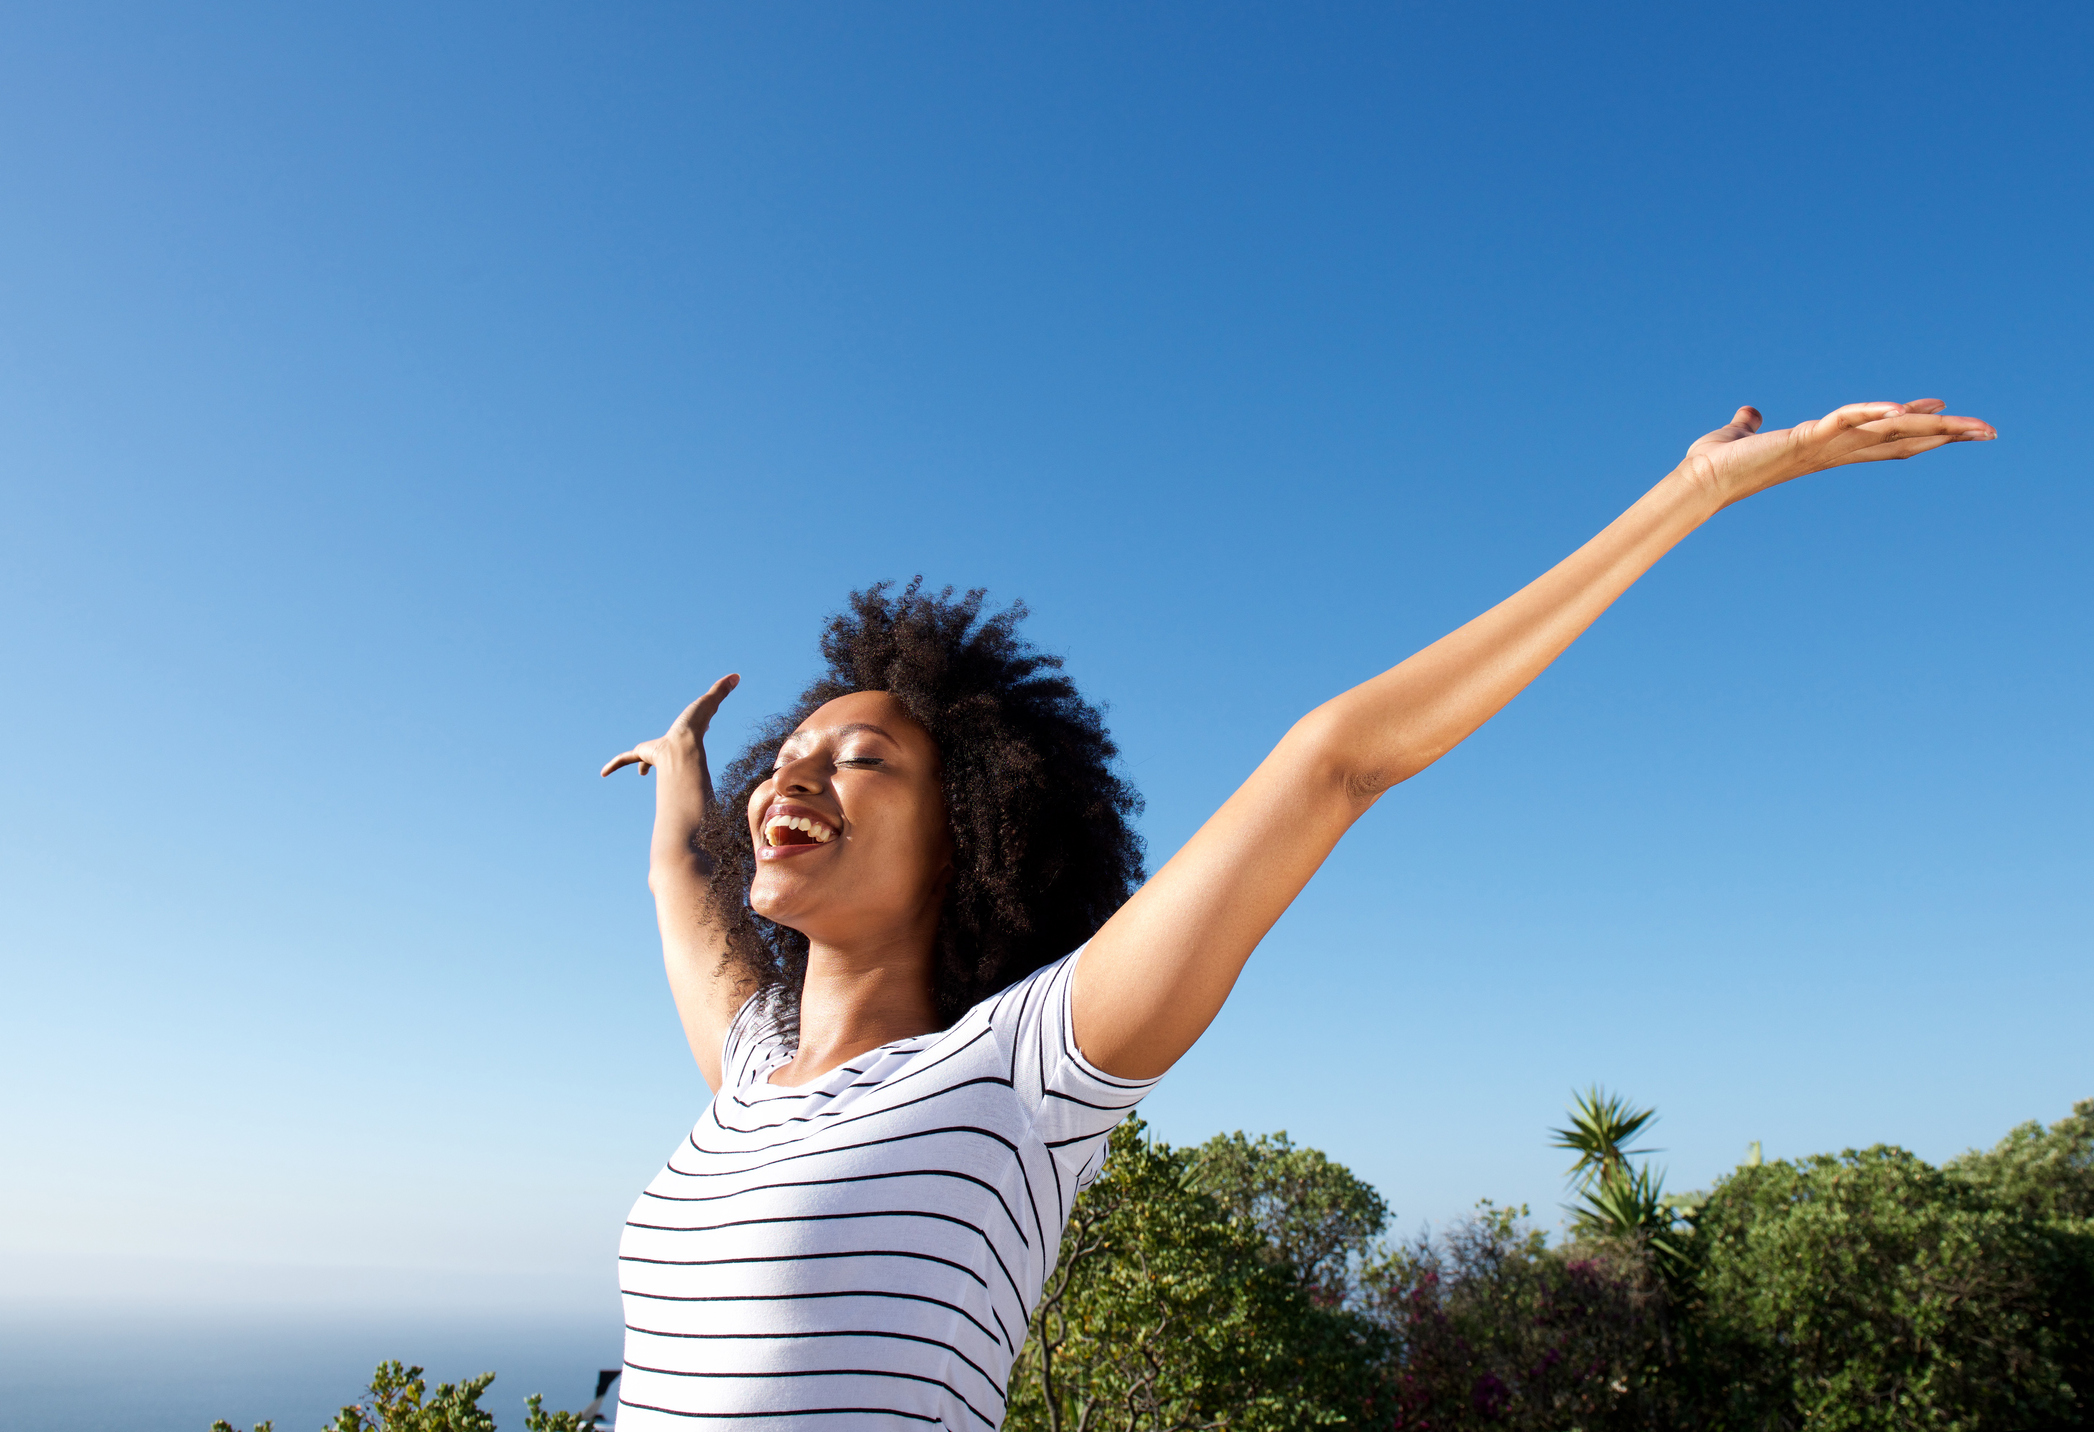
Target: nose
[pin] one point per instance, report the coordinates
(804, 776)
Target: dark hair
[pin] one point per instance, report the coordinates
(1044, 849)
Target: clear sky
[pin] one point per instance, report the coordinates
(404, 408)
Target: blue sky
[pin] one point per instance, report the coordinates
(401, 410)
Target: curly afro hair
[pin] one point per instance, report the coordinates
(1044, 849)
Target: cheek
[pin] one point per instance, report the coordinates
(934, 842)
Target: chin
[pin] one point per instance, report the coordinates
(767, 905)
(780, 906)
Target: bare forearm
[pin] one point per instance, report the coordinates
(694, 946)
(1390, 728)
(682, 798)
(1158, 971)
(679, 872)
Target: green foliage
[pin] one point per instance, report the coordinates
(399, 1400)
(1602, 1126)
(1241, 1285)
(1867, 1291)
(1313, 1215)
(1492, 1328)
(1871, 1290)
(2043, 1173)
(537, 1419)
(1615, 1199)
(1165, 1312)
(2046, 1176)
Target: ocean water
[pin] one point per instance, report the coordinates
(161, 1371)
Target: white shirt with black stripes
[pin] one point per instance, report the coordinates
(864, 1250)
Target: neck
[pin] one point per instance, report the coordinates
(858, 999)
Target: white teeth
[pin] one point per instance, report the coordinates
(821, 834)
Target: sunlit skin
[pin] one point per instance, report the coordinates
(867, 899)
(1156, 974)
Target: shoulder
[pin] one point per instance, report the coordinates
(753, 1043)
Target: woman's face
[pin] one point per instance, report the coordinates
(852, 843)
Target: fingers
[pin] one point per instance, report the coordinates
(1899, 418)
(1842, 435)
(1914, 424)
(1906, 427)
(1855, 414)
(698, 715)
(716, 693)
(1902, 447)
(1747, 419)
(695, 718)
(641, 755)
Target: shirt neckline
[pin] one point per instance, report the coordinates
(867, 1062)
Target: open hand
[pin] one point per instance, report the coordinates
(1738, 459)
(685, 736)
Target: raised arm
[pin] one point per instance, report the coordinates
(1155, 976)
(693, 949)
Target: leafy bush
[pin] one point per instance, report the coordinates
(2045, 1174)
(2047, 1177)
(1240, 1285)
(1311, 1213)
(1171, 1309)
(1617, 1201)
(398, 1400)
(1871, 1290)
(1493, 1328)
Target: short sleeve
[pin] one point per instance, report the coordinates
(747, 1051)
(1074, 1104)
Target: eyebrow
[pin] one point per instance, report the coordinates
(861, 726)
(844, 730)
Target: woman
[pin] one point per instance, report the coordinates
(870, 947)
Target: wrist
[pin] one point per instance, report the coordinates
(1696, 489)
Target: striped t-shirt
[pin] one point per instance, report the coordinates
(864, 1250)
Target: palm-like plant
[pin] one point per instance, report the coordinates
(1602, 1125)
(1613, 1197)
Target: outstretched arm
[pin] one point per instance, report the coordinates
(693, 948)
(1155, 976)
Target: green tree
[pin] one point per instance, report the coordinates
(2047, 1177)
(1166, 1314)
(1312, 1214)
(1617, 1199)
(2046, 1174)
(398, 1400)
(1492, 1328)
(1873, 1291)
(537, 1419)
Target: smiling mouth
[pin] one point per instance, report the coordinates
(788, 830)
